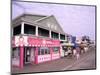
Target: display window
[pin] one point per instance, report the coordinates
(16, 52)
(56, 49)
(43, 50)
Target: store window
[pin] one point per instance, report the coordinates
(43, 50)
(56, 49)
(29, 29)
(15, 52)
(17, 30)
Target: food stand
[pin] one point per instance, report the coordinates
(67, 48)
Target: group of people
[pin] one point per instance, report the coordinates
(77, 50)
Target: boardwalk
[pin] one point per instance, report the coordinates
(86, 61)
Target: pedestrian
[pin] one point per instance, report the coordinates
(77, 53)
(85, 49)
(74, 51)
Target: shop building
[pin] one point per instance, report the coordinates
(35, 39)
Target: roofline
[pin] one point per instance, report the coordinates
(18, 17)
(42, 18)
(24, 14)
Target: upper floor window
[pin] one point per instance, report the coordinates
(54, 35)
(43, 32)
(29, 29)
(62, 37)
(17, 30)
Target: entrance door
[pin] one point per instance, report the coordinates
(27, 55)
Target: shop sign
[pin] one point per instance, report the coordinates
(20, 40)
(39, 41)
(30, 41)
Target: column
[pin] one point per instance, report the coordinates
(59, 36)
(21, 56)
(36, 55)
(49, 33)
(51, 52)
(22, 28)
(36, 31)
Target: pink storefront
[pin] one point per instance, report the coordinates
(34, 50)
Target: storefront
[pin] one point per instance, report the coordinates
(34, 50)
(35, 39)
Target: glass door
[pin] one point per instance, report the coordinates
(27, 55)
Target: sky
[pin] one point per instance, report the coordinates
(74, 19)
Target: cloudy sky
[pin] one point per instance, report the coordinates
(74, 19)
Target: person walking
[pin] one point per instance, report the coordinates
(74, 51)
(77, 53)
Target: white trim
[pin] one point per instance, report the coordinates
(22, 28)
(50, 33)
(36, 31)
(59, 36)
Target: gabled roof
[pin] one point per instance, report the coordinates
(32, 17)
(40, 20)
(51, 19)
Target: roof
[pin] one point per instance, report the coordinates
(46, 22)
(28, 16)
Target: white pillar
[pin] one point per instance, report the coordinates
(59, 36)
(36, 31)
(22, 28)
(49, 33)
